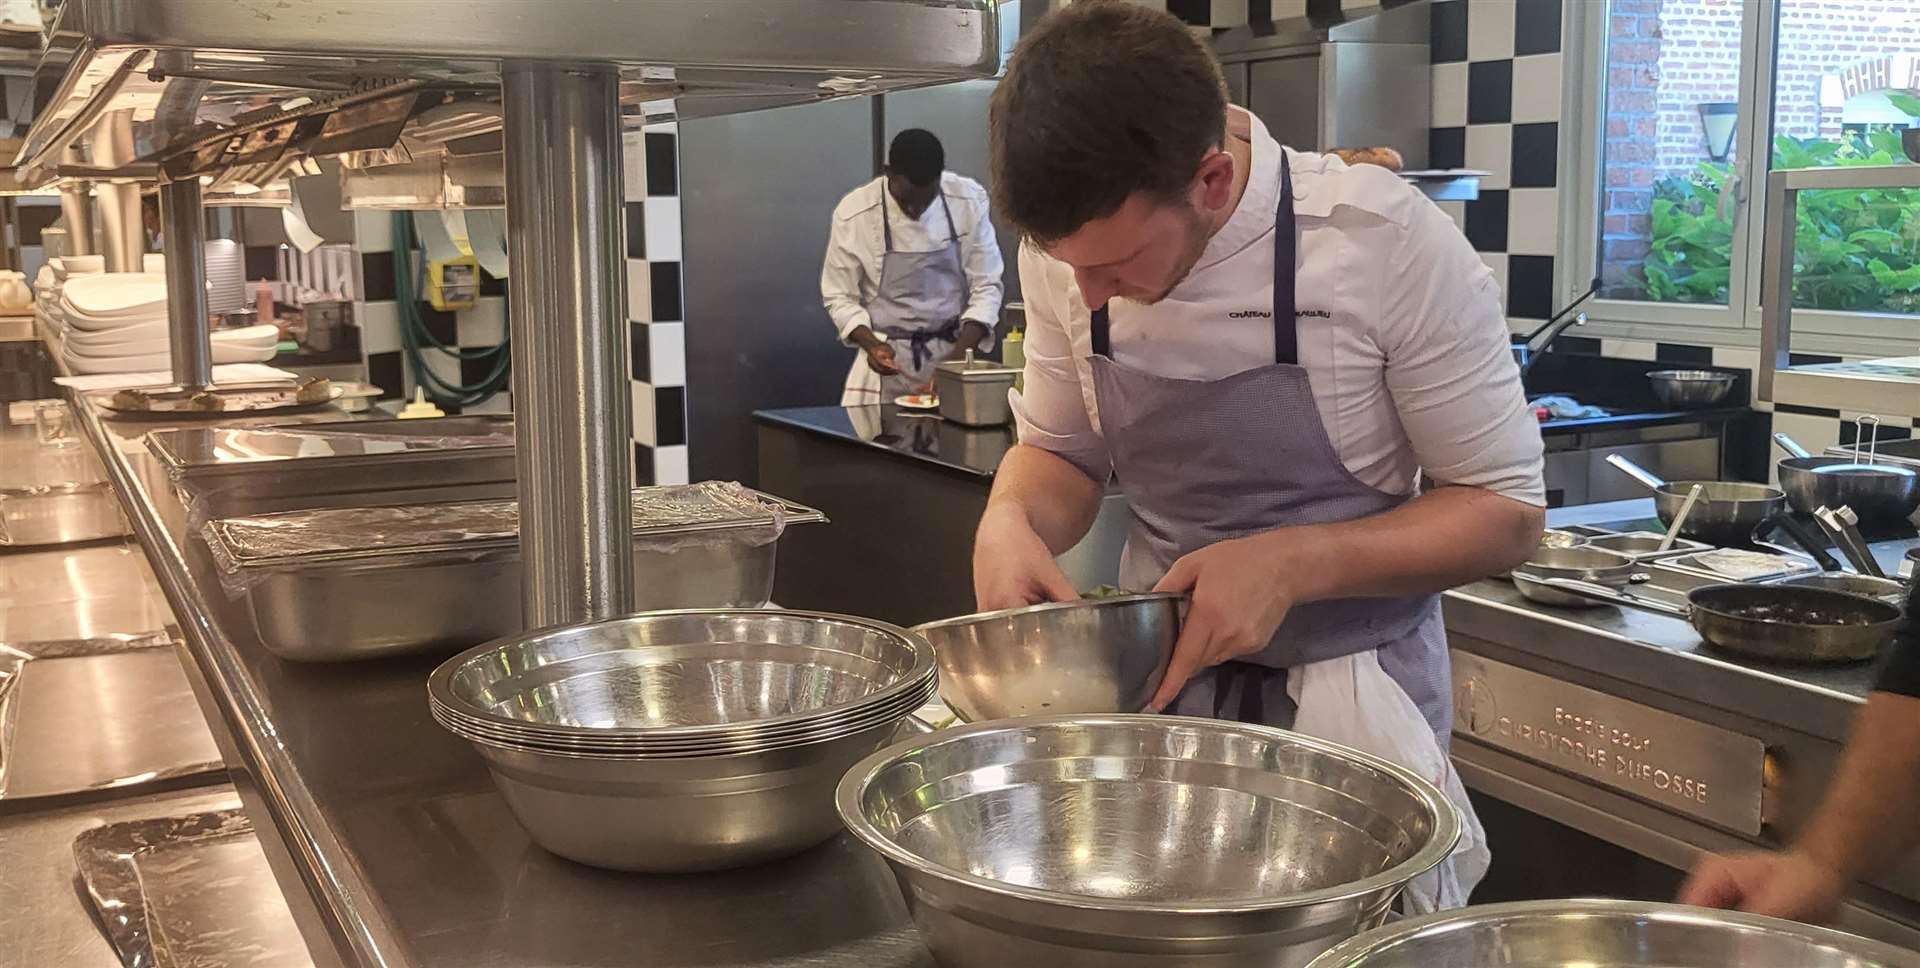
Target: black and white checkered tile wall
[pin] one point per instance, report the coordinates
(1497, 86)
(657, 332)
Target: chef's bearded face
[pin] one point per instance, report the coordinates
(1145, 248)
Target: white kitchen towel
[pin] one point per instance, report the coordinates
(1353, 702)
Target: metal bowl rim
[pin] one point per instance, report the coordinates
(1047, 607)
(439, 689)
(1446, 828)
(1691, 376)
(1353, 952)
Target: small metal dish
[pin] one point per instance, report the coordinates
(1588, 564)
(1645, 545)
(1690, 389)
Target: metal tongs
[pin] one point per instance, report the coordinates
(1843, 527)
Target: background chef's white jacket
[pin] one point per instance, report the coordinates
(854, 249)
(1401, 330)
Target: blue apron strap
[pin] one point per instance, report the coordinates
(1286, 336)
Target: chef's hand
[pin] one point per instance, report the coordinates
(1239, 592)
(880, 357)
(1012, 567)
(1789, 885)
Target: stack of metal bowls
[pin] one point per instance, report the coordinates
(1608, 934)
(1138, 841)
(684, 740)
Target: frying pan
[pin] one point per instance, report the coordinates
(1878, 493)
(1726, 514)
(1778, 623)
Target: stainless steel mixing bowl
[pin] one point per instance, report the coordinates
(707, 675)
(1608, 934)
(1104, 655)
(1134, 841)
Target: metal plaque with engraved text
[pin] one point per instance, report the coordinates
(1678, 763)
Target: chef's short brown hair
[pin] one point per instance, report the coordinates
(1102, 99)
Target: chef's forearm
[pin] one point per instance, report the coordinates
(864, 337)
(1866, 823)
(1052, 496)
(969, 337)
(1444, 538)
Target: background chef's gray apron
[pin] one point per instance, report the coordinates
(917, 305)
(1204, 461)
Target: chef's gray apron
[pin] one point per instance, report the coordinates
(1204, 461)
(917, 305)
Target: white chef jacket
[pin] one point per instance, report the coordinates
(1401, 330)
(855, 247)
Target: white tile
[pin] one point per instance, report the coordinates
(1228, 13)
(662, 213)
(643, 428)
(1816, 434)
(1536, 88)
(1736, 358)
(639, 291)
(670, 465)
(1489, 29)
(1497, 261)
(633, 165)
(372, 231)
(1456, 211)
(1490, 149)
(1533, 221)
(379, 326)
(1629, 349)
(667, 354)
(501, 402)
(483, 325)
(1449, 95)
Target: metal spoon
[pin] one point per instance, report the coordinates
(1680, 517)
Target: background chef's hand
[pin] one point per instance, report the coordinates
(1789, 885)
(880, 357)
(1012, 567)
(1239, 597)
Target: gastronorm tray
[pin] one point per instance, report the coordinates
(1703, 563)
(352, 583)
(1639, 545)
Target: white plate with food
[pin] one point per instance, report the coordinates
(917, 401)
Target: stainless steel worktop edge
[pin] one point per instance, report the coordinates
(232, 707)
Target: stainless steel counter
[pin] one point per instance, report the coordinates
(394, 848)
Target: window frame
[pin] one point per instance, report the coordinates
(1738, 323)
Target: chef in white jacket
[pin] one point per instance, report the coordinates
(1266, 349)
(912, 272)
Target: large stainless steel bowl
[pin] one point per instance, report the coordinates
(1104, 655)
(682, 741)
(1687, 389)
(1133, 841)
(1608, 934)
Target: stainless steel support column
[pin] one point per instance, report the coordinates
(185, 225)
(568, 303)
(123, 231)
(76, 207)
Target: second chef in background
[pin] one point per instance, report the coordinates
(912, 272)
(1267, 348)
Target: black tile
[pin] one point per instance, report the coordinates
(640, 352)
(1530, 286)
(666, 291)
(490, 285)
(447, 407)
(642, 465)
(475, 370)
(35, 219)
(1683, 354)
(440, 324)
(663, 164)
(376, 273)
(1850, 431)
(1810, 359)
(262, 262)
(1584, 345)
(1490, 92)
(1198, 13)
(385, 371)
(1449, 31)
(1536, 155)
(1447, 147)
(1487, 221)
(669, 416)
(1536, 27)
(1805, 411)
(636, 231)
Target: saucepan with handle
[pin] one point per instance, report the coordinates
(1727, 512)
(1879, 493)
(1778, 623)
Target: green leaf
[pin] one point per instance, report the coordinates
(1906, 104)
(1905, 280)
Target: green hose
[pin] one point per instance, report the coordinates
(416, 340)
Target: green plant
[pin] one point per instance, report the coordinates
(1856, 249)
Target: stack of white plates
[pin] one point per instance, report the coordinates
(117, 323)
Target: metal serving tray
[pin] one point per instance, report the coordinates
(52, 494)
(1701, 563)
(1643, 545)
(336, 585)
